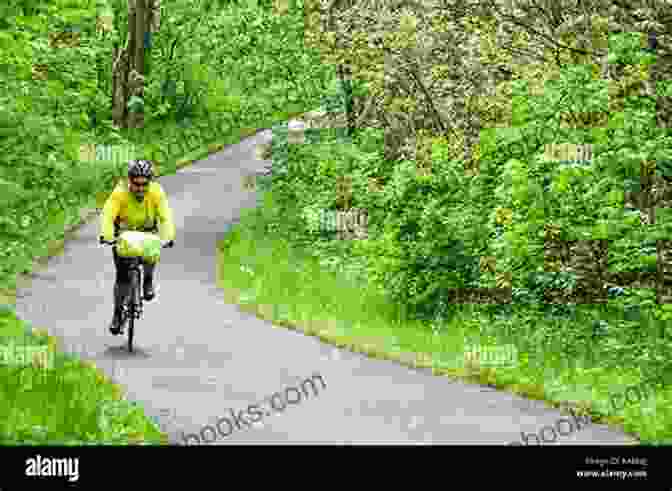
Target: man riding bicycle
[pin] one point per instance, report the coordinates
(140, 205)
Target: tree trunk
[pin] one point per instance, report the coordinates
(119, 86)
(129, 71)
(154, 15)
(137, 26)
(153, 23)
(345, 75)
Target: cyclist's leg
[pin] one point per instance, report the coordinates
(148, 282)
(148, 274)
(121, 285)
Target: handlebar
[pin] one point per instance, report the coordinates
(164, 244)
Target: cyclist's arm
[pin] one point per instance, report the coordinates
(165, 215)
(110, 212)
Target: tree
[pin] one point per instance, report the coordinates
(443, 70)
(129, 68)
(447, 65)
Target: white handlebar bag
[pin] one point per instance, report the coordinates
(139, 244)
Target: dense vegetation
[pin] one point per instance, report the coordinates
(208, 69)
(227, 69)
(432, 234)
(429, 233)
(452, 207)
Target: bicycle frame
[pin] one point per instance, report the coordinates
(131, 306)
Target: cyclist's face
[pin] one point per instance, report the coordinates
(138, 186)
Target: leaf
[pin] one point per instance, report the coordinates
(6, 40)
(135, 103)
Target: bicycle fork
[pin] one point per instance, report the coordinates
(126, 298)
(135, 296)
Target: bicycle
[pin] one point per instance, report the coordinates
(131, 305)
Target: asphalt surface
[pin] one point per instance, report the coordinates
(197, 358)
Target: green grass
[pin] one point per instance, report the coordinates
(49, 398)
(284, 284)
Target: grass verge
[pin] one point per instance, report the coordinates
(84, 408)
(292, 288)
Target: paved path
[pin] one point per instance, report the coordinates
(199, 357)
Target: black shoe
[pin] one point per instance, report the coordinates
(116, 327)
(148, 291)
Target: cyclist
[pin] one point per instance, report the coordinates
(140, 205)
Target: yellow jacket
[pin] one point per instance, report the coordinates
(123, 212)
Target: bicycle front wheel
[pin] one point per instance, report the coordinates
(133, 306)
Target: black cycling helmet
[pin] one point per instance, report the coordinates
(140, 168)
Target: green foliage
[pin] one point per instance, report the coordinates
(585, 201)
(335, 100)
(234, 65)
(626, 49)
(423, 249)
(428, 233)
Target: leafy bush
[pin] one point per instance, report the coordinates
(423, 250)
(428, 233)
(584, 202)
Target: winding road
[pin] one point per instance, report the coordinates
(199, 359)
